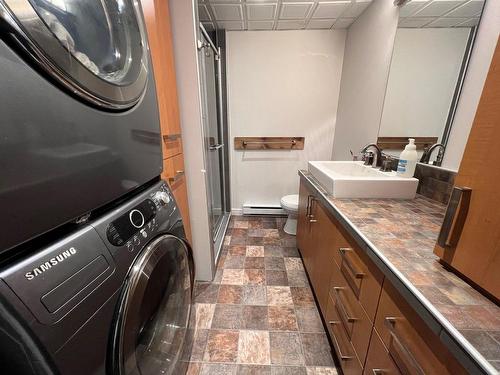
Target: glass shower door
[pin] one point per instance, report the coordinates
(213, 134)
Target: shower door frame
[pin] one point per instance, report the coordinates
(218, 228)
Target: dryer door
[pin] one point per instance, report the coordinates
(95, 48)
(153, 314)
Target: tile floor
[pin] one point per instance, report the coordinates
(258, 316)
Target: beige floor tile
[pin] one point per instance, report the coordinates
(255, 251)
(253, 347)
(233, 277)
(279, 295)
(204, 315)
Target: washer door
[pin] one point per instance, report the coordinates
(153, 314)
(95, 48)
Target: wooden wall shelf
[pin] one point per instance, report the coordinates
(269, 143)
(399, 143)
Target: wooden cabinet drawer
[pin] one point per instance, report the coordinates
(379, 362)
(171, 145)
(173, 169)
(173, 173)
(414, 348)
(362, 276)
(356, 322)
(343, 347)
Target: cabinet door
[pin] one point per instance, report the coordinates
(157, 17)
(322, 259)
(304, 235)
(475, 252)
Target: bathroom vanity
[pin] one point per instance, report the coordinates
(389, 306)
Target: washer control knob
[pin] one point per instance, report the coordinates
(162, 198)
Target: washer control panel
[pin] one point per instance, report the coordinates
(126, 226)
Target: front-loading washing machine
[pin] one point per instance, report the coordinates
(114, 297)
(79, 126)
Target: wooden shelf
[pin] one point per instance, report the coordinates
(269, 143)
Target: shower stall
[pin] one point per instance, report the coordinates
(211, 62)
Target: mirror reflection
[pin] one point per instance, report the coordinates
(428, 65)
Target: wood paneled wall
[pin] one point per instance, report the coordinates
(157, 17)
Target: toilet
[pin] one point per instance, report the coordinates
(290, 203)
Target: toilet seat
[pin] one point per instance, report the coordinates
(290, 202)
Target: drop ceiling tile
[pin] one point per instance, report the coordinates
(343, 23)
(298, 10)
(331, 10)
(471, 22)
(230, 25)
(258, 12)
(415, 21)
(227, 12)
(260, 25)
(290, 25)
(203, 13)
(438, 8)
(469, 9)
(357, 8)
(320, 24)
(412, 7)
(446, 22)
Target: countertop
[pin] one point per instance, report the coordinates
(399, 236)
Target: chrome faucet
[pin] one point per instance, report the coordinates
(378, 156)
(426, 156)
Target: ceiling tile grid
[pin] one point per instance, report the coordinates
(440, 13)
(330, 14)
(280, 14)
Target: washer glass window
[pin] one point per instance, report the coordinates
(96, 48)
(152, 324)
(103, 36)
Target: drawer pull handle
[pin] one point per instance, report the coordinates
(342, 310)
(310, 215)
(342, 356)
(171, 137)
(411, 365)
(450, 233)
(378, 371)
(308, 208)
(174, 179)
(344, 251)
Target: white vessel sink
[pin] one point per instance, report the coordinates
(352, 179)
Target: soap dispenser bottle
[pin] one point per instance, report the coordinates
(408, 160)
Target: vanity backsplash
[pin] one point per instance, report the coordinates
(435, 183)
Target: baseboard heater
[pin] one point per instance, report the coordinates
(256, 209)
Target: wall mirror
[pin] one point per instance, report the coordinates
(429, 62)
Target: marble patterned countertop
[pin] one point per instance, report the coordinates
(401, 235)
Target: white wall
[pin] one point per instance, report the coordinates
(482, 53)
(422, 80)
(367, 59)
(184, 33)
(280, 83)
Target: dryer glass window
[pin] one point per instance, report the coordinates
(153, 319)
(104, 36)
